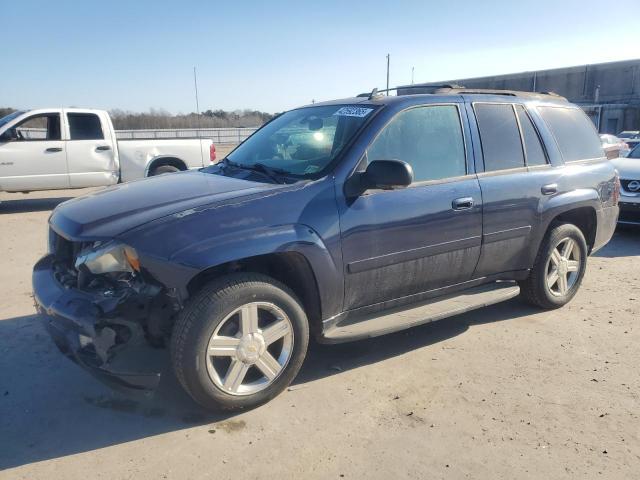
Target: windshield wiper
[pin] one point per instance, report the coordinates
(270, 172)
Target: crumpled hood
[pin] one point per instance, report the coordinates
(629, 168)
(110, 212)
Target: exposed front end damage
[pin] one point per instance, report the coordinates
(111, 325)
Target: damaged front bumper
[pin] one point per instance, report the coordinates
(96, 331)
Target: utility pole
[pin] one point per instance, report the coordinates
(412, 70)
(195, 86)
(388, 57)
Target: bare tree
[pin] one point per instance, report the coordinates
(157, 118)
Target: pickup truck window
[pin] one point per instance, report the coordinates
(499, 135)
(303, 142)
(429, 138)
(575, 134)
(84, 126)
(39, 127)
(532, 145)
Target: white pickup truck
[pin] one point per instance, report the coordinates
(48, 149)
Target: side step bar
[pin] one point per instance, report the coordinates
(399, 318)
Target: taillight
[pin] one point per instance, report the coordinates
(212, 153)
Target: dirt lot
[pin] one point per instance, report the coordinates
(502, 393)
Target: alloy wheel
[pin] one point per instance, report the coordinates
(250, 348)
(563, 267)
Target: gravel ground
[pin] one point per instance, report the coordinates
(505, 392)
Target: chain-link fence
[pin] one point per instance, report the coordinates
(233, 135)
(218, 135)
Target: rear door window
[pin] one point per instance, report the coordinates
(84, 126)
(500, 136)
(575, 134)
(532, 144)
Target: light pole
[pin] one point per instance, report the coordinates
(388, 57)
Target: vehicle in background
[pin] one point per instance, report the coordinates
(630, 137)
(344, 220)
(48, 149)
(613, 146)
(629, 170)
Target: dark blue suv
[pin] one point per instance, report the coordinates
(342, 220)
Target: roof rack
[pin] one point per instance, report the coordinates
(493, 91)
(375, 92)
(458, 89)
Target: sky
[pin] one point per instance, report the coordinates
(275, 55)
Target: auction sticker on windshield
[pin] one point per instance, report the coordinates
(353, 112)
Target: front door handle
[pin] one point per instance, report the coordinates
(549, 189)
(464, 203)
(103, 148)
(53, 149)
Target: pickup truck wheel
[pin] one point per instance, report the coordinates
(239, 342)
(558, 270)
(163, 169)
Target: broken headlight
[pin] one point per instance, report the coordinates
(109, 257)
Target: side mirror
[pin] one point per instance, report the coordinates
(387, 174)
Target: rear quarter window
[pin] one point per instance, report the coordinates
(574, 133)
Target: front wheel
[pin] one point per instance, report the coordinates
(239, 342)
(559, 268)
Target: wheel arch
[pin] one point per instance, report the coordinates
(293, 254)
(578, 208)
(290, 268)
(164, 160)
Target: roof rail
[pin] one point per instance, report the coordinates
(375, 92)
(458, 89)
(493, 91)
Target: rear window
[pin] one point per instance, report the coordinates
(575, 134)
(84, 126)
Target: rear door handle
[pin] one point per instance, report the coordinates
(53, 149)
(102, 148)
(550, 189)
(464, 203)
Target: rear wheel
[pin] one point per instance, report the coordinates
(239, 342)
(163, 169)
(559, 268)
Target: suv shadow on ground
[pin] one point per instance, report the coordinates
(89, 416)
(31, 204)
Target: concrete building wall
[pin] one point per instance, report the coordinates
(610, 92)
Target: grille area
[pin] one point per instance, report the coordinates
(65, 252)
(625, 185)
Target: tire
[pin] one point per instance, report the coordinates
(539, 289)
(214, 321)
(163, 169)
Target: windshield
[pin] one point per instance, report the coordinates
(302, 142)
(7, 118)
